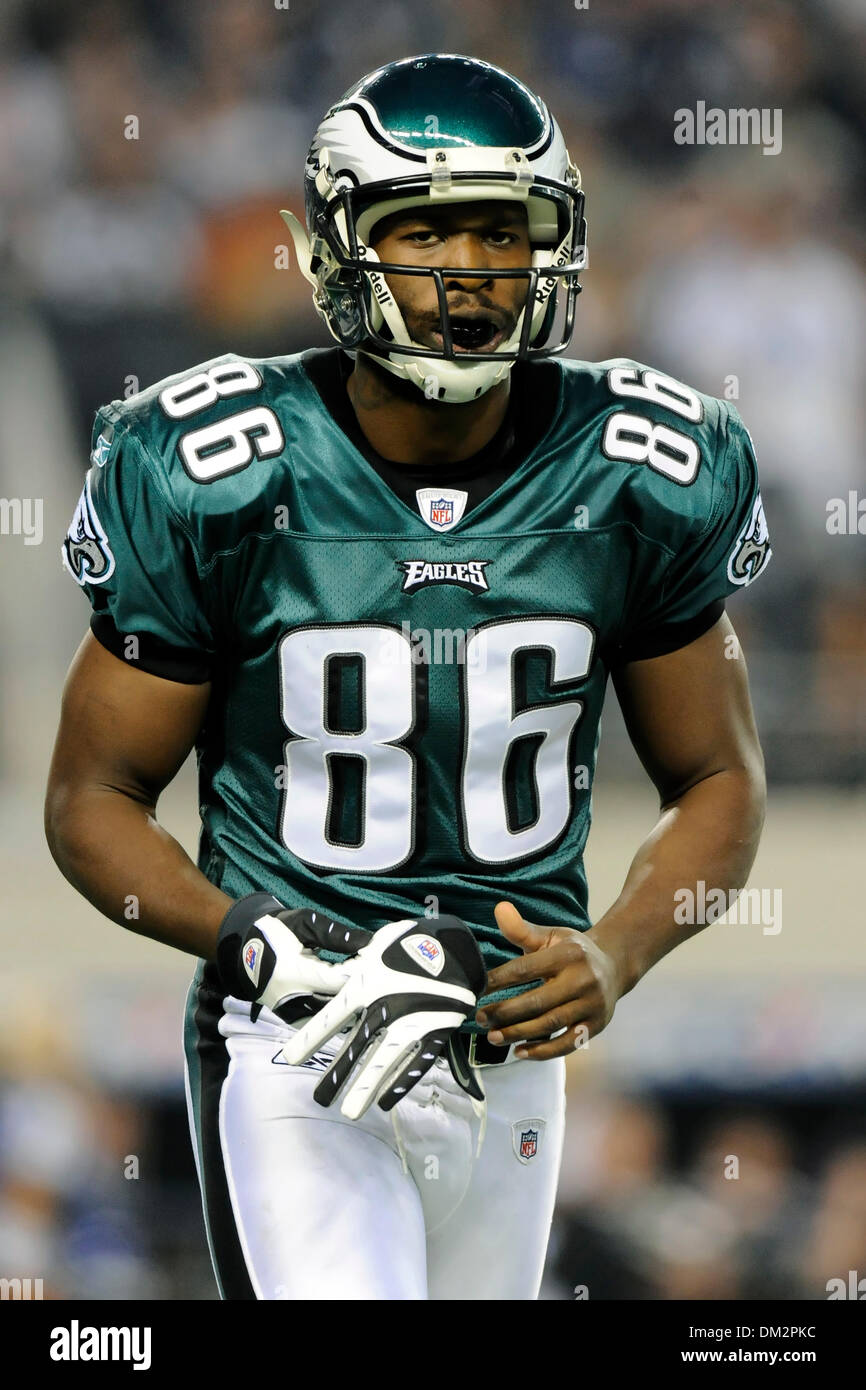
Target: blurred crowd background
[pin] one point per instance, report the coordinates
(145, 148)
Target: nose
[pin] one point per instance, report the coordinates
(465, 251)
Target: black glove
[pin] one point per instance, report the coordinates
(268, 954)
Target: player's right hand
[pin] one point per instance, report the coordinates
(268, 954)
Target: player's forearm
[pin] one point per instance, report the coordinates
(111, 848)
(710, 833)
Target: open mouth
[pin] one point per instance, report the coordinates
(474, 334)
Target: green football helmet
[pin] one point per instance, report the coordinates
(425, 132)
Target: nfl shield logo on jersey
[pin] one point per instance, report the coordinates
(525, 1136)
(441, 508)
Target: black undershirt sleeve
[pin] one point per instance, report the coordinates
(195, 668)
(187, 667)
(669, 637)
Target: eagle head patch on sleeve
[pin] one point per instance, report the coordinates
(85, 551)
(752, 550)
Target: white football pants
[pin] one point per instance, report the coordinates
(301, 1203)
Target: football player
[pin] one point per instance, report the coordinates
(380, 588)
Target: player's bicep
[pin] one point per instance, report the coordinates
(689, 712)
(122, 728)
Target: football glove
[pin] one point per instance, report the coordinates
(268, 954)
(409, 990)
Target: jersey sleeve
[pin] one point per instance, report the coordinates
(132, 553)
(722, 550)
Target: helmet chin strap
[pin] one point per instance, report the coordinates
(453, 383)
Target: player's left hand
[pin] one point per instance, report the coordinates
(576, 999)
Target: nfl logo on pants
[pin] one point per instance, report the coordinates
(525, 1136)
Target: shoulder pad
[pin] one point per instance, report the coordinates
(197, 432)
(663, 443)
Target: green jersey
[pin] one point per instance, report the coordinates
(405, 703)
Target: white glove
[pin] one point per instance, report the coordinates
(410, 989)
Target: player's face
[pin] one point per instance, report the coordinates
(482, 310)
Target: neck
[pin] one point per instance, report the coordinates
(404, 427)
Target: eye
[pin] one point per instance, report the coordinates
(426, 236)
